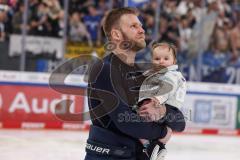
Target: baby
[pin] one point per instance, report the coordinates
(164, 85)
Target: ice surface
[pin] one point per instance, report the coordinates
(69, 145)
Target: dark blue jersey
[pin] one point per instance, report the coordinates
(112, 89)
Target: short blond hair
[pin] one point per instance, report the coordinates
(113, 17)
(170, 46)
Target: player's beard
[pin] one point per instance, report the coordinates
(136, 44)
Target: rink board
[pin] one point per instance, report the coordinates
(27, 101)
(212, 108)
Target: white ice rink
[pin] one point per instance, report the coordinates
(69, 145)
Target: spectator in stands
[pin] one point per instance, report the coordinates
(39, 23)
(78, 31)
(92, 22)
(225, 7)
(54, 8)
(17, 20)
(60, 25)
(148, 26)
(235, 7)
(2, 26)
(163, 28)
(103, 6)
(172, 33)
(102, 38)
(74, 6)
(170, 7)
(217, 56)
(221, 38)
(46, 19)
(212, 7)
(191, 18)
(183, 7)
(235, 39)
(12, 7)
(81, 6)
(54, 15)
(33, 7)
(222, 18)
(185, 32)
(198, 9)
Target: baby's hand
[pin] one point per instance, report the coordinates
(144, 102)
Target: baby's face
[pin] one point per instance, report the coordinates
(162, 56)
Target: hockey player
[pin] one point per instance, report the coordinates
(116, 128)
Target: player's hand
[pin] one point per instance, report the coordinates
(152, 111)
(167, 137)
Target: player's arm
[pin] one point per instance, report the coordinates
(170, 115)
(174, 119)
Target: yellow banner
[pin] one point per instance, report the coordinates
(77, 49)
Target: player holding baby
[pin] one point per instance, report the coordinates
(164, 85)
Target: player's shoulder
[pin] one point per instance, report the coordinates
(99, 67)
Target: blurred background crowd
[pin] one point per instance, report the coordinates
(206, 32)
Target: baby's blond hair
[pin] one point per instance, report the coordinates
(165, 44)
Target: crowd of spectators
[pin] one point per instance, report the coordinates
(45, 17)
(176, 22)
(179, 19)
